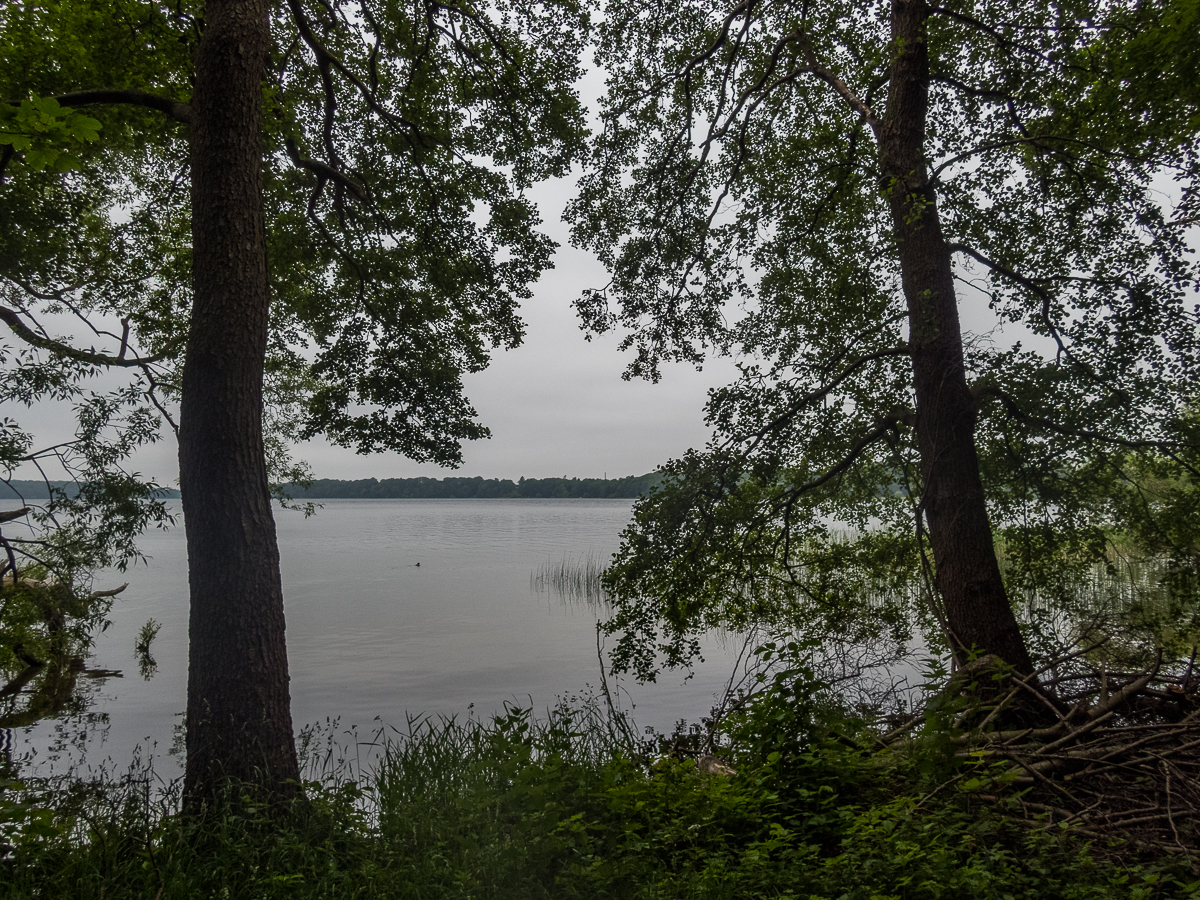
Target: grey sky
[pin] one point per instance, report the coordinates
(557, 405)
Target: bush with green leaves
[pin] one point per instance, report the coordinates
(552, 807)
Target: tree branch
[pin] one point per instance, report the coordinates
(1013, 409)
(112, 592)
(831, 78)
(1004, 41)
(152, 393)
(988, 147)
(1033, 287)
(24, 332)
(12, 559)
(326, 59)
(325, 172)
(824, 390)
(177, 110)
(883, 429)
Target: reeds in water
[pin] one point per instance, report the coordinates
(573, 580)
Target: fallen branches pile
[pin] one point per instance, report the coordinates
(1119, 757)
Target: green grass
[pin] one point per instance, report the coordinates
(523, 807)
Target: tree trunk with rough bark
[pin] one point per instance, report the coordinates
(968, 577)
(238, 714)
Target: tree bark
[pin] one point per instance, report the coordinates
(238, 713)
(968, 579)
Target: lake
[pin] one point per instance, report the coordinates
(373, 637)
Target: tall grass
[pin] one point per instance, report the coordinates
(519, 807)
(573, 580)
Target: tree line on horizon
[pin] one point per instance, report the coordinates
(23, 489)
(627, 488)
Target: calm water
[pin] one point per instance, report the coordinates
(373, 635)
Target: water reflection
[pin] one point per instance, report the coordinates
(40, 691)
(371, 636)
(46, 629)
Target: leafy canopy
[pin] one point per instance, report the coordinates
(735, 196)
(399, 143)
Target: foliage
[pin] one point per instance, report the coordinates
(38, 122)
(46, 626)
(45, 616)
(735, 196)
(399, 145)
(49, 550)
(551, 808)
(147, 664)
(68, 257)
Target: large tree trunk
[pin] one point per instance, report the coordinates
(239, 722)
(968, 576)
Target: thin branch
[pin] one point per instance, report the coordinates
(1004, 41)
(152, 393)
(326, 59)
(1033, 287)
(12, 559)
(824, 390)
(1013, 409)
(886, 427)
(985, 148)
(971, 90)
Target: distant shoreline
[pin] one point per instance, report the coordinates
(36, 489)
(628, 488)
(452, 488)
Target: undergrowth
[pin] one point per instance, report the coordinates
(555, 807)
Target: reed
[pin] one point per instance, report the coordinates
(573, 580)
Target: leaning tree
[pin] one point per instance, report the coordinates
(948, 246)
(310, 210)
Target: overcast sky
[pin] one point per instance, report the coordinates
(556, 406)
